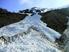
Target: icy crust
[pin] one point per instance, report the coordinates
(29, 35)
(32, 41)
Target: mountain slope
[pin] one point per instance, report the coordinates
(7, 17)
(53, 18)
(30, 34)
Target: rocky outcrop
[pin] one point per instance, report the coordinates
(66, 41)
(7, 17)
(55, 20)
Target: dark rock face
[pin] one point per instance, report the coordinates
(55, 20)
(7, 18)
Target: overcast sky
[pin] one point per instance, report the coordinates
(15, 5)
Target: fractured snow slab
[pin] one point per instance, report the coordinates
(33, 41)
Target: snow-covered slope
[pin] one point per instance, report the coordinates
(28, 35)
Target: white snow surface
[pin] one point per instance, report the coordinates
(29, 35)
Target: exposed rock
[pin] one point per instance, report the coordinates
(56, 21)
(7, 18)
(66, 42)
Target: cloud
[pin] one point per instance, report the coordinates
(44, 3)
(25, 1)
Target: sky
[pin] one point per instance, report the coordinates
(15, 5)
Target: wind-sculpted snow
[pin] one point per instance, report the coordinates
(28, 35)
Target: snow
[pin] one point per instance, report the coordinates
(29, 21)
(32, 35)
